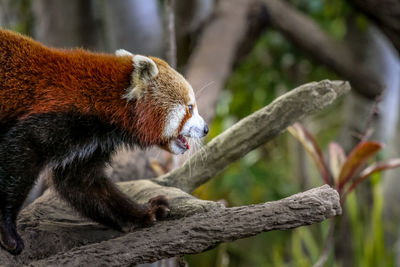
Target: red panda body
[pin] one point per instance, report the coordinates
(69, 110)
(65, 77)
(36, 80)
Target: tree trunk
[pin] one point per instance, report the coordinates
(67, 24)
(134, 25)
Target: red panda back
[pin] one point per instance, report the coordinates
(37, 79)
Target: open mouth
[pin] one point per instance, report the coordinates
(182, 142)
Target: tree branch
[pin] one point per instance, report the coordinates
(203, 231)
(252, 131)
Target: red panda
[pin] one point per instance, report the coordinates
(69, 110)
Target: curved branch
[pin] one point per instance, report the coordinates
(203, 231)
(253, 131)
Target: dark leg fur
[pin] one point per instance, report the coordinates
(19, 167)
(77, 148)
(86, 188)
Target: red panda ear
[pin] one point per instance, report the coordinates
(144, 70)
(123, 53)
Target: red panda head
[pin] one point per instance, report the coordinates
(165, 105)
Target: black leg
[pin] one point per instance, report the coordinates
(19, 167)
(86, 188)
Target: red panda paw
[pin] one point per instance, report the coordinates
(159, 207)
(155, 209)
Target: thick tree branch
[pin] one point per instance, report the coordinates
(307, 35)
(203, 231)
(252, 131)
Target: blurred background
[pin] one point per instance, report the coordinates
(239, 55)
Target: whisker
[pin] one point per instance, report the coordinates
(198, 92)
(190, 168)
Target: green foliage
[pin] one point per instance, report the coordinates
(367, 233)
(273, 67)
(269, 173)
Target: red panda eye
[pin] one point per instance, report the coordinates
(190, 107)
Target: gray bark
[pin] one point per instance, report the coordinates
(203, 231)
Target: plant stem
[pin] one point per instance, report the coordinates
(327, 245)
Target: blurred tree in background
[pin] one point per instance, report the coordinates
(354, 40)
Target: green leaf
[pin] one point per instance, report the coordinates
(311, 146)
(357, 158)
(374, 168)
(337, 158)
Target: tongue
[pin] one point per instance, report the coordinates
(182, 142)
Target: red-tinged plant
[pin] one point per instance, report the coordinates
(343, 172)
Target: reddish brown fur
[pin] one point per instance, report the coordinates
(188, 115)
(37, 79)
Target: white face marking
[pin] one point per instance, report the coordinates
(173, 120)
(194, 127)
(191, 94)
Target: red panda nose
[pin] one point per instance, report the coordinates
(205, 130)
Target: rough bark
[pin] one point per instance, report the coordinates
(252, 131)
(203, 231)
(307, 35)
